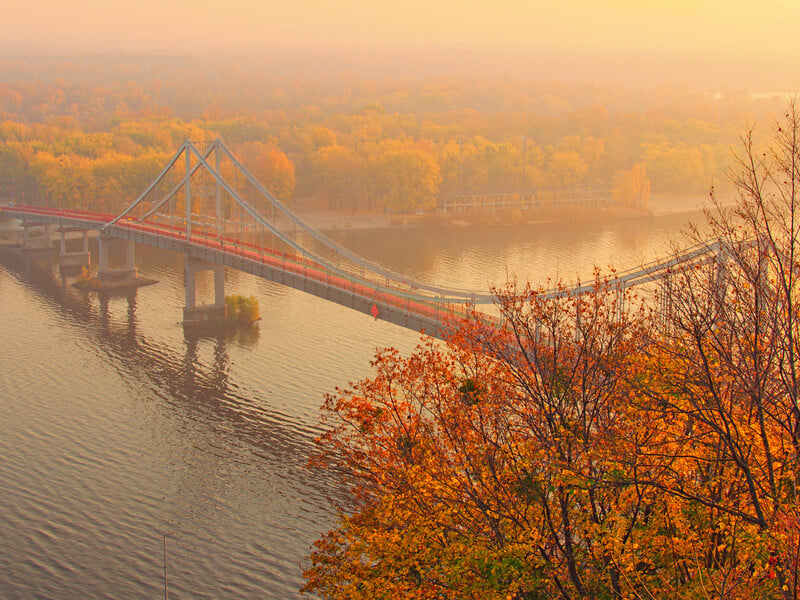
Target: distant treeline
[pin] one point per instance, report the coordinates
(73, 133)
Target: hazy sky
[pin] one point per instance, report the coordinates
(730, 27)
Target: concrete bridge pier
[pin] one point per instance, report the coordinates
(116, 277)
(35, 247)
(73, 259)
(35, 237)
(10, 232)
(192, 313)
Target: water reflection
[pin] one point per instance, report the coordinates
(224, 472)
(186, 381)
(478, 257)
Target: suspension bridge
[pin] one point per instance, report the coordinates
(207, 206)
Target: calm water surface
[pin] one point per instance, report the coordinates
(117, 429)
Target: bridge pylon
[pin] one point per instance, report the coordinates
(204, 196)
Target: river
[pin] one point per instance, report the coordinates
(118, 430)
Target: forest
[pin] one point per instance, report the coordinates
(95, 131)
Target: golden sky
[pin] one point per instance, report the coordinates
(731, 27)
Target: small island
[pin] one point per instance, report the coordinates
(241, 311)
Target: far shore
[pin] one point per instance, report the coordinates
(333, 220)
(659, 205)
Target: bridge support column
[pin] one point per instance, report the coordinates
(73, 259)
(10, 232)
(116, 277)
(35, 237)
(102, 248)
(35, 243)
(192, 313)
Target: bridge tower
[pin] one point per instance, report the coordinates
(204, 194)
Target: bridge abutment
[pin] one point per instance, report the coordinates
(192, 313)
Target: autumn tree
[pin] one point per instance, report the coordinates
(564, 168)
(337, 175)
(403, 180)
(729, 393)
(490, 469)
